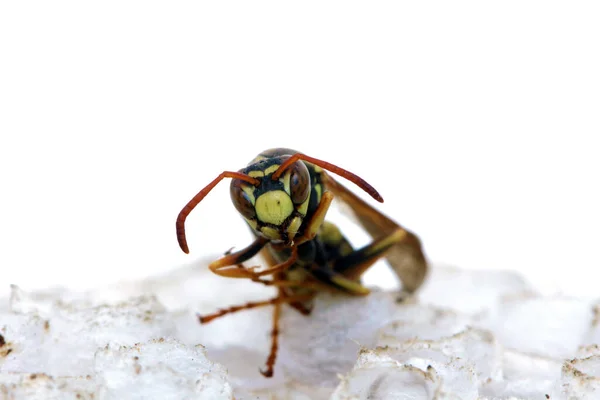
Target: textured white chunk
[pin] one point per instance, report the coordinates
(159, 366)
(117, 349)
(77, 329)
(519, 366)
(553, 327)
(581, 378)
(44, 387)
(386, 380)
(477, 348)
(524, 389)
(317, 348)
(470, 292)
(467, 335)
(593, 335)
(378, 376)
(418, 321)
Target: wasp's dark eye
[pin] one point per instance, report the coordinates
(242, 200)
(299, 182)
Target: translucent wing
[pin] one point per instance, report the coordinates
(406, 258)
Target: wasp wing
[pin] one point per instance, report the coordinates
(406, 258)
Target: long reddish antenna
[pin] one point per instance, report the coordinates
(180, 224)
(357, 180)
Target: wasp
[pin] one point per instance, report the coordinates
(284, 196)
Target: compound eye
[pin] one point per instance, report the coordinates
(299, 182)
(241, 200)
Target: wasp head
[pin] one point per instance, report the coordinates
(275, 207)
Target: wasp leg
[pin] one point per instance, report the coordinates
(302, 308)
(313, 225)
(279, 267)
(406, 258)
(240, 265)
(276, 300)
(293, 301)
(220, 267)
(237, 259)
(292, 284)
(344, 273)
(353, 265)
(282, 283)
(274, 339)
(248, 272)
(279, 280)
(336, 280)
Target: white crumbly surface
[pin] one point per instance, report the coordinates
(467, 335)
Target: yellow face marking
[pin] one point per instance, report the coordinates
(257, 159)
(319, 190)
(304, 206)
(249, 190)
(270, 233)
(256, 174)
(317, 169)
(271, 169)
(293, 227)
(285, 179)
(252, 223)
(274, 207)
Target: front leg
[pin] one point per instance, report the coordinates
(223, 266)
(313, 225)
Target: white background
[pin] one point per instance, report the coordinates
(477, 122)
